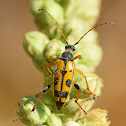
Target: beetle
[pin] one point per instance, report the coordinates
(64, 69)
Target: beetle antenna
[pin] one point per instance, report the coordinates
(56, 23)
(94, 28)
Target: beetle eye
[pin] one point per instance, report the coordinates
(66, 47)
(73, 48)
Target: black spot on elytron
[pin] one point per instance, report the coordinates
(57, 93)
(60, 94)
(56, 81)
(64, 94)
(70, 71)
(63, 72)
(68, 82)
(59, 105)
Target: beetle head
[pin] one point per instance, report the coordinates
(70, 48)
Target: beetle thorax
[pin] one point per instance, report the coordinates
(67, 56)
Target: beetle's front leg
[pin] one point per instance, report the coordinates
(49, 65)
(53, 57)
(77, 57)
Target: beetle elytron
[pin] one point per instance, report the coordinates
(64, 68)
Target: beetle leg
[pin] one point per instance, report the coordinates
(82, 74)
(77, 57)
(78, 88)
(53, 57)
(45, 89)
(49, 65)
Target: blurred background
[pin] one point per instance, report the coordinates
(19, 77)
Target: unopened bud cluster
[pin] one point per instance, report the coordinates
(75, 17)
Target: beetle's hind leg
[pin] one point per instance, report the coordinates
(45, 89)
(78, 88)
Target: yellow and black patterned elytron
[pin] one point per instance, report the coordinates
(64, 68)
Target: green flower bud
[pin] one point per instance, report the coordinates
(63, 3)
(35, 5)
(71, 123)
(90, 38)
(43, 20)
(38, 117)
(91, 53)
(55, 121)
(84, 68)
(94, 82)
(54, 48)
(77, 26)
(34, 44)
(87, 9)
(96, 117)
(73, 112)
(41, 115)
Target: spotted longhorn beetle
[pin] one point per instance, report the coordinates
(64, 69)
